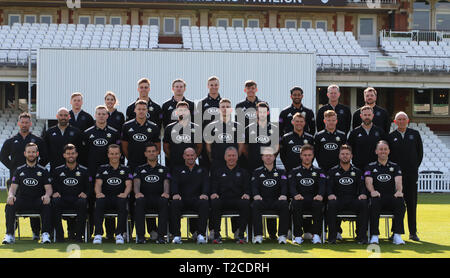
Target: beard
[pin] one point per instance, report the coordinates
(32, 160)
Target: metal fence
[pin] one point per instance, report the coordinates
(414, 35)
(373, 3)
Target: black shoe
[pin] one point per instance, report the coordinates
(363, 241)
(140, 240)
(59, 240)
(332, 241)
(414, 237)
(110, 237)
(79, 240)
(273, 237)
(391, 238)
(161, 240)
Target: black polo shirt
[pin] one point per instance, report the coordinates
(152, 179)
(308, 182)
(288, 113)
(326, 147)
(407, 150)
(346, 184)
(116, 119)
(96, 142)
(209, 109)
(246, 111)
(70, 183)
(383, 176)
(137, 137)
(230, 184)
(168, 109)
(154, 113)
(257, 136)
(12, 150)
(83, 121)
(270, 185)
(113, 179)
(381, 118)
(223, 135)
(291, 144)
(183, 138)
(190, 184)
(31, 181)
(55, 141)
(344, 117)
(364, 144)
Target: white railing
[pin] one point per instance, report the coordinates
(434, 183)
(414, 35)
(373, 3)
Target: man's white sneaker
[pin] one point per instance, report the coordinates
(307, 236)
(374, 239)
(36, 237)
(119, 239)
(177, 240)
(339, 236)
(398, 239)
(316, 239)
(258, 239)
(201, 239)
(298, 240)
(45, 238)
(97, 239)
(282, 240)
(8, 239)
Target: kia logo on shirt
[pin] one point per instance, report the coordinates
(224, 137)
(331, 146)
(384, 178)
(151, 178)
(269, 183)
(296, 148)
(140, 137)
(70, 182)
(183, 138)
(263, 139)
(100, 142)
(114, 181)
(251, 115)
(30, 182)
(213, 110)
(345, 181)
(307, 182)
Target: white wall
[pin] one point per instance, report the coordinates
(60, 72)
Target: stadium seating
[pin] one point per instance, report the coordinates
(339, 51)
(436, 153)
(17, 40)
(419, 56)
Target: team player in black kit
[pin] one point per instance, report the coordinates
(168, 107)
(381, 117)
(344, 116)
(297, 106)
(116, 119)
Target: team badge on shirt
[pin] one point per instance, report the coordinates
(122, 172)
(151, 109)
(352, 174)
(314, 174)
(377, 133)
(39, 174)
(108, 135)
(275, 174)
(391, 169)
(338, 139)
(71, 133)
(149, 129)
(305, 141)
(238, 174)
(160, 170)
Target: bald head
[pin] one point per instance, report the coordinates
(189, 157)
(63, 117)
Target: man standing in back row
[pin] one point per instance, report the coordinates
(381, 117)
(344, 116)
(297, 106)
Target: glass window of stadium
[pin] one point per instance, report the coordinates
(115, 20)
(222, 22)
(433, 102)
(185, 22)
(13, 18)
(290, 23)
(100, 20)
(238, 22)
(421, 15)
(46, 19)
(305, 24)
(153, 21)
(84, 20)
(443, 16)
(169, 25)
(30, 19)
(253, 23)
(321, 24)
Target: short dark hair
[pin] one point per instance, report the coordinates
(141, 101)
(31, 144)
(114, 146)
(150, 145)
(262, 104)
(346, 147)
(69, 147)
(143, 80)
(250, 83)
(296, 88)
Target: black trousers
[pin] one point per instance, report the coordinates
(301, 207)
(280, 207)
(151, 203)
(76, 205)
(201, 207)
(26, 205)
(387, 203)
(409, 182)
(359, 207)
(218, 206)
(114, 204)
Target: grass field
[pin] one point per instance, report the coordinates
(433, 227)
